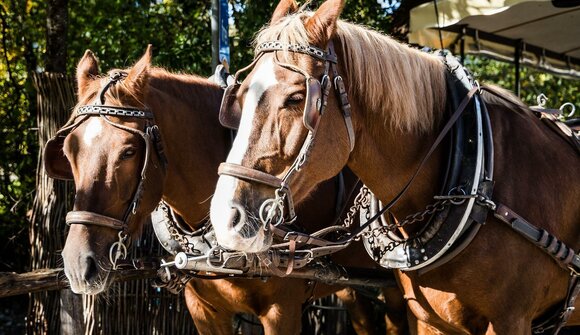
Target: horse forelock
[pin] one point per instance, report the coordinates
(390, 80)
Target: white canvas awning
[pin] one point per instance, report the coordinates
(546, 36)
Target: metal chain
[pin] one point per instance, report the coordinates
(361, 201)
(188, 248)
(438, 206)
(431, 209)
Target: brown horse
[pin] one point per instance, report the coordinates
(387, 113)
(176, 151)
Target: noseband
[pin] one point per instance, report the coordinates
(151, 138)
(271, 211)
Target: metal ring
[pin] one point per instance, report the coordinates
(276, 206)
(564, 107)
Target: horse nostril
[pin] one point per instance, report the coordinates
(91, 270)
(236, 218)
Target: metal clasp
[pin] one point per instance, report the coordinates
(118, 250)
(271, 208)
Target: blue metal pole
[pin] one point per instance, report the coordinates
(224, 40)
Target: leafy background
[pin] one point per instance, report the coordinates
(118, 32)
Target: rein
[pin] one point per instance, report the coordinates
(152, 140)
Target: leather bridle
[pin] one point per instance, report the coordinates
(151, 138)
(272, 211)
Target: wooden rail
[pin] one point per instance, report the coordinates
(54, 279)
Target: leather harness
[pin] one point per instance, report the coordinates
(566, 257)
(152, 140)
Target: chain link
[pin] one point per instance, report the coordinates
(441, 203)
(113, 111)
(362, 201)
(300, 48)
(188, 248)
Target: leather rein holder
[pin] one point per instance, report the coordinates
(283, 193)
(150, 135)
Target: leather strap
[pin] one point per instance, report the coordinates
(249, 174)
(564, 255)
(83, 217)
(342, 97)
(573, 292)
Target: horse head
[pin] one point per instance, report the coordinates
(277, 108)
(109, 148)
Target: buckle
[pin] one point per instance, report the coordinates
(296, 236)
(291, 236)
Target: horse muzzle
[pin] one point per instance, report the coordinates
(237, 230)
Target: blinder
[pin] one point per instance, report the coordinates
(231, 112)
(230, 109)
(313, 106)
(56, 164)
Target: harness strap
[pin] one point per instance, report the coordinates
(564, 255)
(573, 292)
(342, 97)
(83, 217)
(313, 51)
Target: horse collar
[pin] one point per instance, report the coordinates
(176, 238)
(450, 220)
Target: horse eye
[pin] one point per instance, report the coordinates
(128, 153)
(294, 100)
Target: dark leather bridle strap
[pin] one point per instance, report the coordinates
(249, 174)
(82, 217)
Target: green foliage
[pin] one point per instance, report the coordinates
(18, 143)
(533, 82)
(118, 32)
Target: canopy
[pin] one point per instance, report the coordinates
(539, 33)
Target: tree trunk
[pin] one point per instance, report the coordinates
(56, 30)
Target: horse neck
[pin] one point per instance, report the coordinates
(395, 116)
(186, 111)
(386, 161)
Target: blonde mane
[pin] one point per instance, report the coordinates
(404, 86)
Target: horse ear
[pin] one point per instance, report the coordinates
(284, 8)
(87, 71)
(322, 25)
(139, 73)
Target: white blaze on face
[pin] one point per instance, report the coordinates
(262, 79)
(93, 129)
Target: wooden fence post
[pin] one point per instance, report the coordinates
(55, 100)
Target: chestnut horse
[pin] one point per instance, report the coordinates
(106, 152)
(387, 112)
